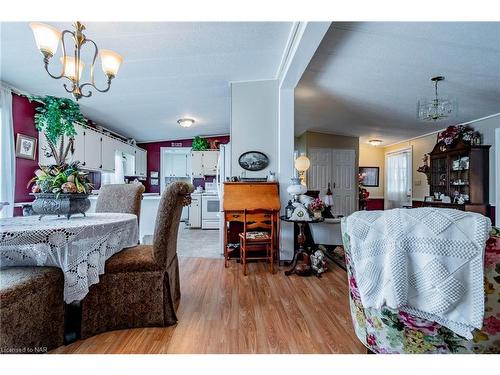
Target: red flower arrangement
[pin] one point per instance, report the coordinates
(455, 132)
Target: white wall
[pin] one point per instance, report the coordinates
(254, 123)
(487, 129)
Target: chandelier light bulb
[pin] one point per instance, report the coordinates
(46, 38)
(110, 62)
(70, 67)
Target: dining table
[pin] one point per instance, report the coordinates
(79, 246)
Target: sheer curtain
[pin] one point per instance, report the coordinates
(7, 154)
(398, 179)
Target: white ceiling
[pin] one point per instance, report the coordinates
(170, 70)
(366, 77)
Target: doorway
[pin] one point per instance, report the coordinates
(398, 179)
(337, 167)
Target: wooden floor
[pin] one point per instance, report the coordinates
(221, 311)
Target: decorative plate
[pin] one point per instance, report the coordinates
(253, 161)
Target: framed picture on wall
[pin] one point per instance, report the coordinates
(25, 146)
(370, 176)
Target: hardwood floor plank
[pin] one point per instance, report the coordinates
(222, 311)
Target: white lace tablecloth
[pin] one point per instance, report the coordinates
(79, 246)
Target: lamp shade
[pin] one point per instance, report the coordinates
(302, 163)
(70, 67)
(46, 37)
(110, 62)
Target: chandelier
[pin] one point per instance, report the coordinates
(436, 108)
(47, 40)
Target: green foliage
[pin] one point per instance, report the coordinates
(200, 144)
(61, 179)
(56, 117)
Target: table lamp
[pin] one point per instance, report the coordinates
(298, 186)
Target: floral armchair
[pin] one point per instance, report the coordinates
(392, 331)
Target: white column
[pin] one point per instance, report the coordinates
(285, 165)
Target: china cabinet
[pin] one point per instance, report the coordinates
(459, 177)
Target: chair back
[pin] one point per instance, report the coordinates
(388, 330)
(120, 198)
(175, 196)
(259, 219)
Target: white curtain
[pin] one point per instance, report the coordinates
(7, 154)
(398, 179)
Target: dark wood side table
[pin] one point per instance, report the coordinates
(301, 239)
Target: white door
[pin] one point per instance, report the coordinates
(337, 167)
(92, 150)
(344, 182)
(321, 171)
(398, 179)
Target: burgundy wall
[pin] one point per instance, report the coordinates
(374, 204)
(153, 156)
(23, 118)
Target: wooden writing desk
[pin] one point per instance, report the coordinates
(239, 196)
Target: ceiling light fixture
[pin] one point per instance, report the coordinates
(47, 40)
(185, 122)
(375, 142)
(436, 108)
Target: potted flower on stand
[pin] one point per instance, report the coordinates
(61, 188)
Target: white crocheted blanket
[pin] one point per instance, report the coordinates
(426, 261)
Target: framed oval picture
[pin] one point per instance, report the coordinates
(253, 161)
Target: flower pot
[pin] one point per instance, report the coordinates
(317, 214)
(64, 204)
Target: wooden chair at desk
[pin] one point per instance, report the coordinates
(259, 235)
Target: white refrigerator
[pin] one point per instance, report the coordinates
(223, 172)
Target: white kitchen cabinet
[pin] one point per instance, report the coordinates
(140, 162)
(195, 211)
(210, 159)
(92, 147)
(108, 149)
(204, 163)
(78, 145)
(197, 164)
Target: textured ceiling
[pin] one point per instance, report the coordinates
(170, 70)
(366, 77)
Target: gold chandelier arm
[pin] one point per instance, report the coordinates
(92, 76)
(46, 59)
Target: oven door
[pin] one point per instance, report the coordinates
(210, 208)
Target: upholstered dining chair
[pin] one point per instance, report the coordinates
(388, 330)
(120, 198)
(140, 286)
(259, 234)
(31, 309)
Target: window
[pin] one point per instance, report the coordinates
(398, 179)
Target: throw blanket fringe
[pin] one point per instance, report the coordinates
(426, 261)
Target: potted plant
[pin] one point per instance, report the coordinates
(316, 207)
(59, 189)
(199, 144)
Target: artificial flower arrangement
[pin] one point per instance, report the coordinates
(456, 132)
(317, 206)
(363, 193)
(57, 179)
